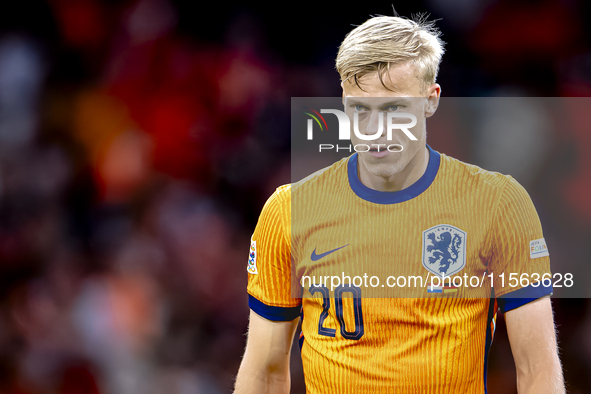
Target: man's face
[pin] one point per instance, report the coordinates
(406, 95)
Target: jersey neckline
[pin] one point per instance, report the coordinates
(379, 197)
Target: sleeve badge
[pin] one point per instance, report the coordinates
(538, 248)
(252, 258)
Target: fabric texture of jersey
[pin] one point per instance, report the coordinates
(458, 218)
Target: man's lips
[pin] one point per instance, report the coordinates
(381, 150)
(379, 154)
(377, 146)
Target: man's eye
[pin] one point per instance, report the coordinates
(392, 108)
(360, 108)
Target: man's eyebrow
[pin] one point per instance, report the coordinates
(366, 103)
(352, 101)
(396, 101)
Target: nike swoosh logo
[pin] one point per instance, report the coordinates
(316, 257)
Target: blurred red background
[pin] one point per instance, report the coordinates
(140, 139)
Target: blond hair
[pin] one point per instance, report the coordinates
(388, 40)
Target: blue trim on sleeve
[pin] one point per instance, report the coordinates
(301, 341)
(274, 313)
(489, 336)
(523, 296)
(409, 193)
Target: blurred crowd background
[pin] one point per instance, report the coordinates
(139, 140)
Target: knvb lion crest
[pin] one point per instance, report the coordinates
(444, 249)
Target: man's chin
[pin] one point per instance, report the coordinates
(384, 169)
(381, 158)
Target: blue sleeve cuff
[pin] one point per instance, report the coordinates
(273, 313)
(523, 296)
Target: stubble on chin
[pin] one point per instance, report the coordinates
(388, 170)
(385, 170)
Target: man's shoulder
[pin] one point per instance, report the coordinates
(331, 176)
(473, 176)
(328, 175)
(323, 173)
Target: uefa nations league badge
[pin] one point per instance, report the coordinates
(444, 249)
(252, 258)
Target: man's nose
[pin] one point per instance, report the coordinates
(375, 123)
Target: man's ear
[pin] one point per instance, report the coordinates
(433, 95)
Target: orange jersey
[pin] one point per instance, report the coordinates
(456, 220)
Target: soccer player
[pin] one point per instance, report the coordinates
(417, 212)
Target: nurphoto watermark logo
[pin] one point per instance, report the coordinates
(345, 128)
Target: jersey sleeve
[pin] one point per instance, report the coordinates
(520, 257)
(269, 262)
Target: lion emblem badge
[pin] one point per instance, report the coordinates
(444, 249)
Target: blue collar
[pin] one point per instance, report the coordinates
(409, 193)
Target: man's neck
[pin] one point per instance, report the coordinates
(413, 171)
